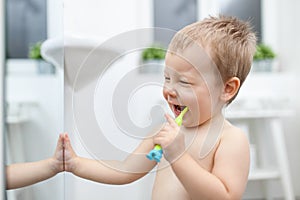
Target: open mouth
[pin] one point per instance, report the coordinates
(178, 109)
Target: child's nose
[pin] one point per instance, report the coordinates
(171, 91)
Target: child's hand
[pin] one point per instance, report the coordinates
(69, 154)
(64, 156)
(59, 155)
(170, 139)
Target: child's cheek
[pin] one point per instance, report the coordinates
(187, 96)
(190, 100)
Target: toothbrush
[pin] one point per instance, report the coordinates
(156, 152)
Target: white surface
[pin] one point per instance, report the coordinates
(267, 134)
(58, 50)
(21, 67)
(19, 112)
(264, 174)
(256, 114)
(105, 18)
(55, 26)
(277, 133)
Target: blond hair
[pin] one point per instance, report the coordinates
(230, 43)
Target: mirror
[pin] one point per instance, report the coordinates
(34, 92)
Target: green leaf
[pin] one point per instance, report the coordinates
(154, 52)
(35, 51)
(263, 52)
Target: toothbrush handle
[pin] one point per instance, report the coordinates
(157, 152)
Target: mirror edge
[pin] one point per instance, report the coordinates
(2, 70)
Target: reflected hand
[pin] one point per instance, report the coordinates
(70, 156)
(59, 155)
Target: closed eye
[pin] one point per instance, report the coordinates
(185, 82)
(167, 78)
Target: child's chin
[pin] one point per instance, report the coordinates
(189, 124)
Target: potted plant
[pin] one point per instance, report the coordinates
(263, 59)
(35, 51)
(153, 59)
(35, 54)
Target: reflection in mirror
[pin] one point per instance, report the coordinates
(34, 104)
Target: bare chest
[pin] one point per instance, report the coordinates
(167, 185)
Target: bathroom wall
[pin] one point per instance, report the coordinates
(55, 22)
(105, 18)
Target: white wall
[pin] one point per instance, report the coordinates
(289, 30)
(101, 18)
(55, 22)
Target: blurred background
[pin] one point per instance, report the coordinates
(36, 90)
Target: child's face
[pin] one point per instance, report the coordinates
(191, 81)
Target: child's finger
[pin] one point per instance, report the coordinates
(170, 120)
(59, 144)
(66, 136)
(67, 140)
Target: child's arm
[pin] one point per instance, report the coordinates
(132, 168)
(24, 174)
(231, 165)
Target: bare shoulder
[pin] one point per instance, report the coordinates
(232, 160)
(233, 146)
(232, 134)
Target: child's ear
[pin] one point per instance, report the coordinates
(231, 87)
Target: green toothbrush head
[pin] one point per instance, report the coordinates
(178, 119)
